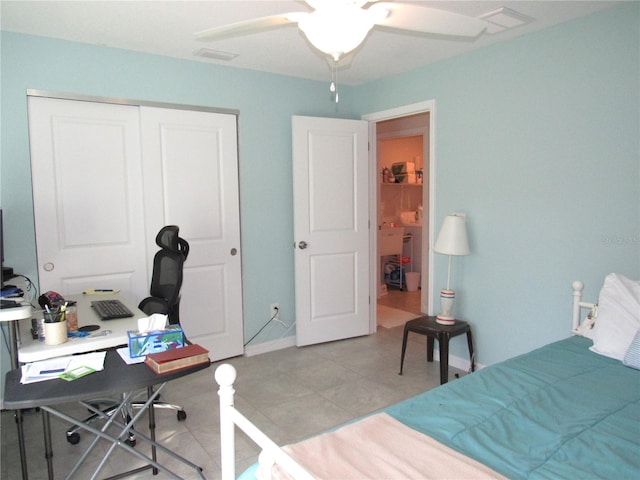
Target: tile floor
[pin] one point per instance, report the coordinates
(408, 301)
(290, 394)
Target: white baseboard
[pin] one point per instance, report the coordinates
(272, 346)
(457, 362)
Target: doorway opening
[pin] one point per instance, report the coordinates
(401, 202)
(402, 154)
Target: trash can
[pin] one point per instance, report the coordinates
(413, 281)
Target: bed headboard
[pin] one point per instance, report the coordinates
(578, 304)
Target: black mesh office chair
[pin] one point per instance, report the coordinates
(166, 281)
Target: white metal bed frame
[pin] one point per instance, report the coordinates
(578, 304)
(230, 417)
(271, 453)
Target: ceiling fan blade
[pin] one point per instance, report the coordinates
(428, 20)
(248, 26)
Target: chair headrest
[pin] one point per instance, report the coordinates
(167, 238)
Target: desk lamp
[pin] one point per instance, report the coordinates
(452, 240)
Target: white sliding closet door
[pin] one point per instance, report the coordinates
(106, 177)
(191, 172)
(86, 176)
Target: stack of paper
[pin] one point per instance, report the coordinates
(54, 367)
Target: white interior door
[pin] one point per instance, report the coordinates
(86, 174)
(331, 228)
(190, 163)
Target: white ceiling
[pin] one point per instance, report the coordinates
(167, 27)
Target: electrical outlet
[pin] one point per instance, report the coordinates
(275, 311)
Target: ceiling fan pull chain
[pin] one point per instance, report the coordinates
(336, 67)
(333, 87)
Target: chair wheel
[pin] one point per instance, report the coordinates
(182, 415)
(131, 442)
(73, 438)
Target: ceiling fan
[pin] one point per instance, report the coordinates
(336, 27)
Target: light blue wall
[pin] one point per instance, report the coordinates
(537, 141)
(265, 102)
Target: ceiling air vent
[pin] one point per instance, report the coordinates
(504, 19)
(215, 54)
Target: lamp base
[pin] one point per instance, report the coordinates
(445, 319)
(446, 305)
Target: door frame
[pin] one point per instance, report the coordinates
(31, 92)
(429, 106)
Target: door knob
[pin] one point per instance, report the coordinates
(234, 251)
(302, 245)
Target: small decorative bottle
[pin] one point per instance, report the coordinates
(71, 316)
(385, 175)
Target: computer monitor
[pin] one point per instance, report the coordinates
(1, 240)
(1, 252)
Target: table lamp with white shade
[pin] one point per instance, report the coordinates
(452, 240)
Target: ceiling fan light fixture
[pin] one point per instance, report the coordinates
(336, 29)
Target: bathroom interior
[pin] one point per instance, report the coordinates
(403, 167)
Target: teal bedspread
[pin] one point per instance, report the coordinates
(561, 411)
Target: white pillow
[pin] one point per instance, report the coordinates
(618, 316)
(632, 357)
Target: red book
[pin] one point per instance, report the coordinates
(170, 360)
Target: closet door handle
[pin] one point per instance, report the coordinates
(302, 245)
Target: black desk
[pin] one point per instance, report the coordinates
(116, 378)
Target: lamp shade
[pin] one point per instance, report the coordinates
(452, 239)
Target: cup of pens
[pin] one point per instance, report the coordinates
(55, 325)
